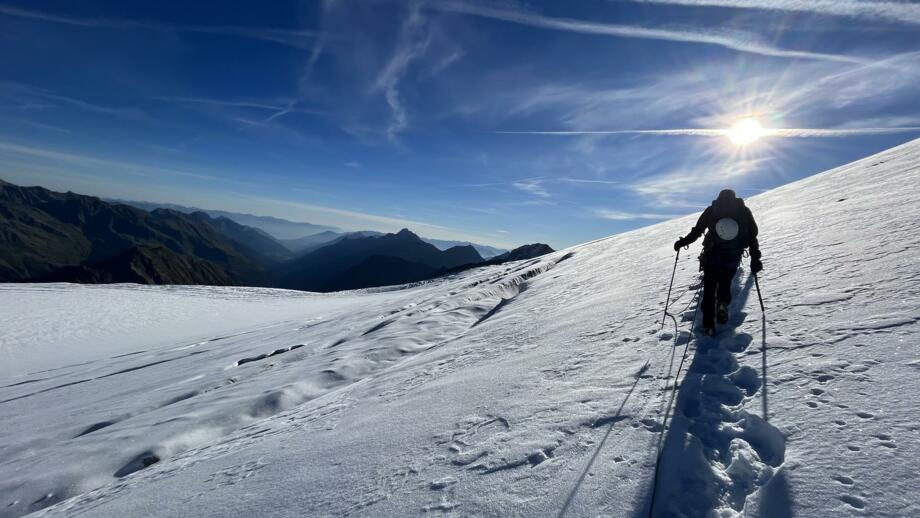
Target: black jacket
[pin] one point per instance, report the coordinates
(720, 253)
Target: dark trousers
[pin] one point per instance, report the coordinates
(717, 287)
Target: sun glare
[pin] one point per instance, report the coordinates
(745, 131)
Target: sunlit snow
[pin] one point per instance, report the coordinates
(533, 388)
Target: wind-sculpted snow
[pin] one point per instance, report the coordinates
(535, 388)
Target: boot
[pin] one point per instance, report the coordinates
(722, 313)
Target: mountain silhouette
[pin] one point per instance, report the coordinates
(44, 231)
(330, 267)
(47, 236)
(278, 228)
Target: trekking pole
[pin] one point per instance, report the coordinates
(763, 350)
(667, 301)
(757, 285)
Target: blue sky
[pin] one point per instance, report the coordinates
(497, 122)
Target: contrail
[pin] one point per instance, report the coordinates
(724, 132)
(701, 132)
(301, 39)
(903, 12)
(738, 42)
(813, 132)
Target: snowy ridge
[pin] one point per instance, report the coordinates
(535, 388)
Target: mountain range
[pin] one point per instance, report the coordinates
(47, 236)
(300, 237)
(376, 261)
(276, 227)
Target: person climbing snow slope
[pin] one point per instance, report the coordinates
(730, 228)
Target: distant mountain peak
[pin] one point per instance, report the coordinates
(407, 233)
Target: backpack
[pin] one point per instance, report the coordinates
(727, 235)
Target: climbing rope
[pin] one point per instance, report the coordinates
(676, 344)
(667, 413)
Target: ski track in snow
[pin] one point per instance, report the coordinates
(535, 388)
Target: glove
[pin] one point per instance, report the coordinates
(679, 244)
(756, 266)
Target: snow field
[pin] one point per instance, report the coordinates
(530, 389)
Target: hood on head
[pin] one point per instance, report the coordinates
(726, 195)
(727, 200)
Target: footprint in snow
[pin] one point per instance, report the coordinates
(885, 440)
(853, 501)
(442, 483)
(651, 425)
(847, 481)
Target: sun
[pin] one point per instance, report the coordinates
(745, 132)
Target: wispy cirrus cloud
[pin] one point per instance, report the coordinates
(319, 44)
(724, 132)
(300, 39)
(278, 109)
(592, 181)
(718, 95)
(903, 12)
(30, 98)
(836, 132)
(49, 127)
(534, 186)
(99, 165)
(414, 39)
(671, 189)
(618, 215)
(741, 42)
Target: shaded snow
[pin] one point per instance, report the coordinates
(534, 388)
(61, 324)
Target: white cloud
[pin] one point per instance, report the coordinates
(30, 98)
(723, 132)
(836, 132)
(617, 215)
(49, 127)
(445, 62)
(697, 132)
(589, 181)
(413, 41)
(532, 186)
(300, 39)
(702, 97)
(904, 12)
(739, 42)
(231, 108)
(673, 188)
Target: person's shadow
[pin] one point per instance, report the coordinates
(703, 467)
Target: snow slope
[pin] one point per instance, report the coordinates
(47, 326)
(534, 388)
